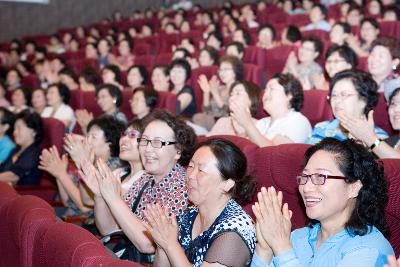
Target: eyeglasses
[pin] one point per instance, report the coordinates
(131, 134)
(342, 95)
(316, 178)
(335, 61)
(224, 70)
(154, 143)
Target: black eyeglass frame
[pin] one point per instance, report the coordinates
(311, 177)
(163, 143)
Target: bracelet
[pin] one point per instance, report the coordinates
(375, 144)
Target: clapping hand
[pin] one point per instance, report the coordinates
(392, 262)
(273, 219)
(109, 183)
(362, 129)
(163, 229)
(89, 174)
(240, 113)
(51, 162)
(78, 148)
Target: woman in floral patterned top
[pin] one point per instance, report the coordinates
(165, 147)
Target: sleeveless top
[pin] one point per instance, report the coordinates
(232, 219)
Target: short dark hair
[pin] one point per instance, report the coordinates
(150, 96)
(90, 76)
(27, 92)
(112, 90)
(232, 164)
(364, 84)
(322, 8)
(344, 52)
(293, 33)
(291, 85)
(186, 53)
(32, 121)
(253, 91)
(316, 41)
(371, 21)
(358, 164)
(390, 43)
(270, 27)
(217, 35)
(164, 68)
(184, 134)
(237, 66)
(112, 129)
(9, 119)
(115, 70)
(239, 46)
(246, 35)
(393, 94)
(212, 52)
(69, 73)
(142, 71)
(345, 26)
(63, 91)
(182, 63)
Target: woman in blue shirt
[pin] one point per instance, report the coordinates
(344, 192)
(6, 129)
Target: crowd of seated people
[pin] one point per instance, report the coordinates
(133, 167)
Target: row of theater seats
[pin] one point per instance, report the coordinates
(30, 235)
(279, 165)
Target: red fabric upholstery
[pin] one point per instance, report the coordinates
(75, 99)
(381, 116)
(141, 49)
(167, 100)
(6, 192)
(274, 59)
(209, 72)
(316, 106)
(278, 166)
(54, 131)
(64, 244)
(164, 59)
(77, 65)
(363, 63)
(392, 212)
(390, 28)
(323, 35)
(145, 60)
(89, 102)
(31, 81)
(299, 19)
(126, 105)
(167, 41)
(255, 74)
(25, 216)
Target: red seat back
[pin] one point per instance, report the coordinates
(381, 116)
(278, 166)
(392, 212)
(316, 106)
(274, 59)
(54, 131)
(254, 74)
(90, 104)
(167, 101)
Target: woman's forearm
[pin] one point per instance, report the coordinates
(103, 217)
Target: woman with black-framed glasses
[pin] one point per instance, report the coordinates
(165, 147)
(345, 193)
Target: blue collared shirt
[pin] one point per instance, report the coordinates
(6, 147)
(331, 129)
(340, 250)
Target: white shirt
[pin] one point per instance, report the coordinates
(63, 113)
(293, 125)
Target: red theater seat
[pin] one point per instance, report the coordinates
(167, 101)
(278, 166)
(316, 107)
(392, 212)
(63, 244)
(273, 61)
(381, 116)
(254, 74)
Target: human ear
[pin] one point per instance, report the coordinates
(228, 185)
(355, 189)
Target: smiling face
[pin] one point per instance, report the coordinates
(138, 105)
(346, 100)
(394, 112)
(159, 161)
(97, 140)
(274, 98)
(108, 76)
(307, 52)
(38, 100)
(368, 32)
(134, 78)
(159, 80)
(106, 101)
(205, 59)
(23, 135)
(18, 99)
(53, 97)
(128, 145)
(337, 35)
(178, 75)
(380, 62)
(205, 183)
(226, 73)
(332, 202)
(335, 63)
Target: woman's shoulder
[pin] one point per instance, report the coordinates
(373, 240)
(234, 217)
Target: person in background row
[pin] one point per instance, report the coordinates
(283, 98)
(111, 74)
(20, 99)
(88, 80)
(136, 76)
(143, 101)
(352, 95)
(21, 166)
(58, 96)
(7, 120)
(39, 101)
(160, 78)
